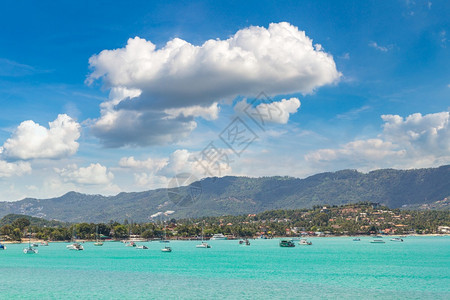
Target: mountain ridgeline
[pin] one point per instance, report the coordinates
(242, 195)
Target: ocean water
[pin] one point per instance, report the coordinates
(331, 268)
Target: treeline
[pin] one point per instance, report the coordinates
(351, 219)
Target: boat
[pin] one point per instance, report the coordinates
(35, 245)
(30, 249)
(304, 242)
(2, 247)
(44, 243)
(377, 241)
(203, 244)
(165, 240)
(287, 243)
(218, 237)
(74, 246)
(244, 242)
(166, 249)
(131, 244)
(397, 239)
(141, 247)
(97, 243)
(356, 239)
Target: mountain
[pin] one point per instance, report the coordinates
(241, 195)
(34, 221)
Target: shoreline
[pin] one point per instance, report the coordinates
(275, 237)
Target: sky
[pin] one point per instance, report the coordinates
(126, 96)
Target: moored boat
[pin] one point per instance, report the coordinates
(397, 239)
(75, 246)
(287, 243)
(166, 249)
(218, 236)
(305, 242)
(377, 242)
(203, 245)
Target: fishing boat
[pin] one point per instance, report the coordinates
(304, 242)
(287, 243)
(166, 249)
(397, 239)
(30, 249)
(218, 237)
(97, 242)
(377, 241)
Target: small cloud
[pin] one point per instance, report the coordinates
(345, 56)
(379, 47)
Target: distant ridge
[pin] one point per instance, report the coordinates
(232, 195)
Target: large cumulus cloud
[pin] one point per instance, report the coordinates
(279, 59)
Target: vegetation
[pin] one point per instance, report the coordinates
(349, 219)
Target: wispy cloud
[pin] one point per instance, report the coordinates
(10, 68)
(379, 47)
(354, 113)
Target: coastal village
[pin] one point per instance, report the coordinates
(363, 218)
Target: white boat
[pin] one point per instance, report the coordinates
(377, 242)
(131, 244)
(166, 249)
(218, 237)
(75, 246)
(2, 247)
(142, 247)
(356, 239)
(203, 245)
(44, 243)
(397, 239)
(97, 242)
(29, 249)
(304, 242)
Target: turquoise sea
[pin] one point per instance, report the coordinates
(331, 268)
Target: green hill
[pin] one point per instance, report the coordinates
(242, 195)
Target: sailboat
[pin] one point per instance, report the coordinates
(166, 248)
(203, 244)
(97, 243)
(165, 240)
(74, 245)
(29, 249)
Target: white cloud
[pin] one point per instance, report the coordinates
(378, 47)
(412, 142)
(181, 81)
(274, 112)
(94, 174)
(14, 169)
(208, 113)
(158, 172)
(31, 140)
(149, 164)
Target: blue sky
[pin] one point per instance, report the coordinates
(375, 94)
